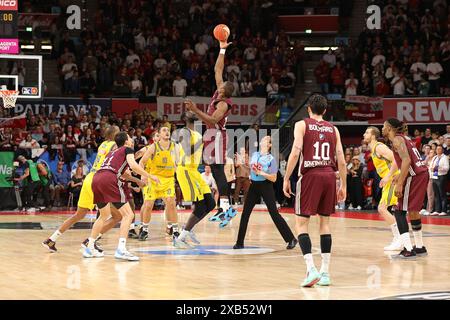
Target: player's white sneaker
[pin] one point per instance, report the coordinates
(180, 244)
(125, 255)
(194, 238)
(443, 213)
(358, 208)
(351, 207)
(434, 213)
(425, 213)
(422, 211)
(395, 245)
(88, 253)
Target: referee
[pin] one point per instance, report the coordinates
(263, 174)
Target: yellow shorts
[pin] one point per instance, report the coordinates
(86, 199)
(164, 189)
(387, 196)
(192, 184)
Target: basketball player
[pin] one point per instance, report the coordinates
(192, 185)
(86, 200)
(382, 158)
(159, 160)
(215, 137)
(319, 144)
(109, 191)
(410, 187)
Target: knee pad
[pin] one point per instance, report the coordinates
(416, 225)
(210, 204)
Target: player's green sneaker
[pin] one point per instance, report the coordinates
(324, 279)
(312, 278)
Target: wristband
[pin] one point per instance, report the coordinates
(222, 51)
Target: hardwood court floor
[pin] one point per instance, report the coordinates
(266, 270)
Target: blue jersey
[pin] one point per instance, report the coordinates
(267, 163)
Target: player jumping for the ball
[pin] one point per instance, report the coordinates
(215, 138)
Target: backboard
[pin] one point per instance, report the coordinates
(22, 73)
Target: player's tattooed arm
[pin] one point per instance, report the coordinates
(297, 147)
(399, 145)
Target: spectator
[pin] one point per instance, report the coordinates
(27, 145)
(356, 186)
(45, 177)
(230, 174)
(338, 78)
(87, 84)
(201, 48)
(382, 87)
(179, 86)
(418, 69)
(330, 58)
(75, 184)
(439, 167)
(246, 87)
(129, 60)
(31, 182)
(351, 85)
(378, 58)
(447, 148)
(424, 86)
(68, 70)
(366, 88)
(398, 84)
(121, 83)
(136, 86)
(447, 134)
(286, 84)
(322, 72)
(209, 179)
(90, 64)
(428, 156)
(61, 180)
(272, 88)
(434, 70)
(140, 141)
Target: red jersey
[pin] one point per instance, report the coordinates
(116, 161)
(417, 166)
(216, 132)
(319, 146)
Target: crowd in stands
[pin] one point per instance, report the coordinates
(143, 48)
(410, 55)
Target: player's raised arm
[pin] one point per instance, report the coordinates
(220, 63)
(297, 147)
(342, 192)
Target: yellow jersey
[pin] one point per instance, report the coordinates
(192, 159)
(162, 163)
(102, 151)
(148, 164)
(382, 165)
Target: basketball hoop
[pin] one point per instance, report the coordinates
(9, 98)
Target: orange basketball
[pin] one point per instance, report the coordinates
(221, 32)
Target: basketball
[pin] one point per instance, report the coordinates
(221, 32)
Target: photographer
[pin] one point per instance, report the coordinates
(31, 182)
(45, 176)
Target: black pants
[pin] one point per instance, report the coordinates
(356, 191)
(265, 190)
(46, 194)
(440, 194)
(218, 173)
(28, 192)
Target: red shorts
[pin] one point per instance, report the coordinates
(108, 188)
(215, 146)
(127, 190)
(414, 193)
(316, 193)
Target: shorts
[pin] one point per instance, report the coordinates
(387, 196)
(108, 188)
(316, 193)
(414, 193)
(164, 189)
(86, 199)
(192, 184)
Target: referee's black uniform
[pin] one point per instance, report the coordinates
(261, 187)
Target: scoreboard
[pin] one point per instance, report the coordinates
(9, 34)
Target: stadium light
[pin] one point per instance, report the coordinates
(29, 29)
(308, 31)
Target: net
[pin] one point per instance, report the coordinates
(9, 98)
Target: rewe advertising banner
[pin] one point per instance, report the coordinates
(418, 110)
